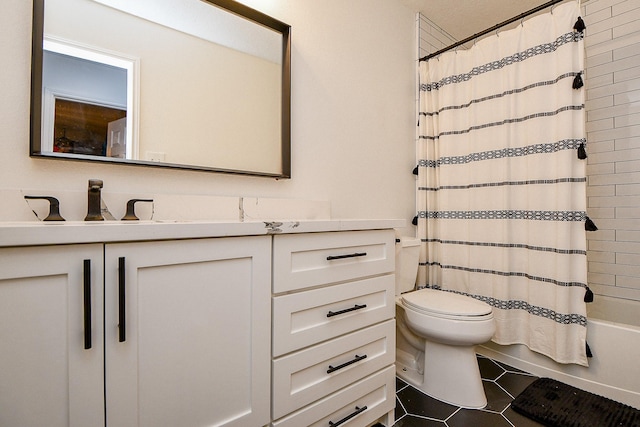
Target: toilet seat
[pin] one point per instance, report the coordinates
(448, 305)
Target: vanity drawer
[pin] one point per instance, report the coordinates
(376, 393)
(302, 261)
(306, 318)
(315, 372)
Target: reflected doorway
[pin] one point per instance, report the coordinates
(89, 129)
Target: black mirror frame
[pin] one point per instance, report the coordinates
(228, 5)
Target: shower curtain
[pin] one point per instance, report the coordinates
(502, 181)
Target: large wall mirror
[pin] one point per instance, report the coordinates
(196, 84)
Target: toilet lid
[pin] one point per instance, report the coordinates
(445, 303)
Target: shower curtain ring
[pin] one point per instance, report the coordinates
(552, 6)
(497, 35)
(522, 22)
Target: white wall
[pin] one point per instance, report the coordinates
(353, 114)
(613, 144)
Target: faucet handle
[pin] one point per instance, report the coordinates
(54, 207)
(131, 210)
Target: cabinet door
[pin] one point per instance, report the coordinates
(196, 344)
(48, 377)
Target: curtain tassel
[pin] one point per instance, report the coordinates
(415, 170)
(588, 295)
(588, 350)
(579, 26)
(582, 152)
(589, 225)
(577, 81)
(415, 220)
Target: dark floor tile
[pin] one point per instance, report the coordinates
(489, 370)
(417, 403)
(515, 383)
(501, 384)
(497, 398)
(475, 418)
(413, 421)
(509, 367)
(400, 384)
(519, 420)
(399, 411)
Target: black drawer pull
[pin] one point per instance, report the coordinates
(346, 310)
(87, 303)
(357, 254)
(348, 417)
(122, 317)
(350, 362)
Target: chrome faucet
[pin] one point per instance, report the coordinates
(94, 204)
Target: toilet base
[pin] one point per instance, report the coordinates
(408, 356)
(451, 375)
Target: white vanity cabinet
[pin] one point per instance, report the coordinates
(195, 347)
(186, 334)
(333, 328)
(144, 324)
(51, 342)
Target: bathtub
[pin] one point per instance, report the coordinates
(613, 334)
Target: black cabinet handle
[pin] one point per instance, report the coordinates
(346, 310)
(122, 318)
(350, 362)
(354, 255)
(87, 303)
(348, 417)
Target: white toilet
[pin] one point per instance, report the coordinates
(437, 332)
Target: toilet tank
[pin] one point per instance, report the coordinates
(407, 255)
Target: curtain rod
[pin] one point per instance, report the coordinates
(492, 29)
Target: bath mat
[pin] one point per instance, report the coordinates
(555, 404)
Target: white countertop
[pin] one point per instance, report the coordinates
(68, 232)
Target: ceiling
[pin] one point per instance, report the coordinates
(464, 18)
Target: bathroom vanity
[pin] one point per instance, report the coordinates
(197, 323)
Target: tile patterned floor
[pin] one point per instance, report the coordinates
(502, 383)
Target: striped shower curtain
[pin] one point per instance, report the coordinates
(501, 181)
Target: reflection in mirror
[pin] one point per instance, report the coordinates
(86, 97)
(127, 82)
